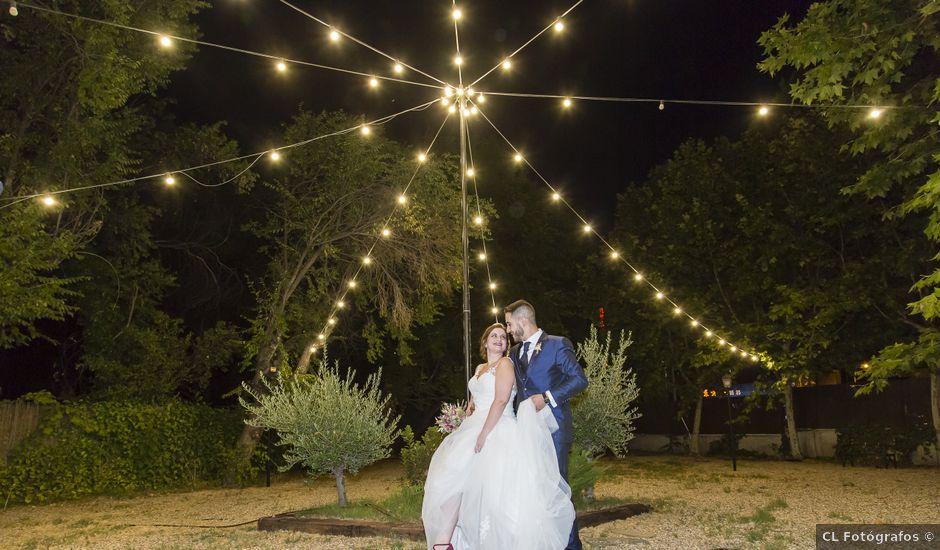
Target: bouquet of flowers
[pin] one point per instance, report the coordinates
(452, 414)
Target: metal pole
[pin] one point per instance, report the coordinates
(731, 442)
(466, 240)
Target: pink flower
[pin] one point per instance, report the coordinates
(452, 414)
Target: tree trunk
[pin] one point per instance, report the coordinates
(935, 408)
(791, 424)
(694, 439)
(340, 485)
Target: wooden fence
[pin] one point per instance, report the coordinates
(17, 420)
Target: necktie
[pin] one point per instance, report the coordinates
(524, 358)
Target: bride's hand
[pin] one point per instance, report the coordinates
(481, 439)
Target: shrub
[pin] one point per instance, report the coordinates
(85, 448)
(416, 454)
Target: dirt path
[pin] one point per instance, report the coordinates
(697, 504)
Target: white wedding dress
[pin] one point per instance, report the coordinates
(510, 495)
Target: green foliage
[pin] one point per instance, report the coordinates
(327, 422)
(417, 453)
(604, 413)
(877, 444)
(583, 473)
(86, 448)
(877, 52)
(29, 253)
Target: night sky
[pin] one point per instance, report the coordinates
(626, 48)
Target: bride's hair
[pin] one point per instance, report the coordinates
(486, 334)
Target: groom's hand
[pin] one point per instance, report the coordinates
(538, 401)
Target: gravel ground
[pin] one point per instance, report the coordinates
(697, 504)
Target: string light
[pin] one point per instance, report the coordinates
(473, 110)
(445, 102)
(694, 323)
(274, 155)
(13, 9)
(448, 91)
(875, 113)
(452, 109)
(331, 321)
(313, 349)
(460, 92)
(478, 220)
(676, 311)
(482, 256)
(559, 26)
(637, 277)
(367, 261)
(49, 200)
(281, 66)
(165, 41)
(709, 334)
(398, 69)
(458, 60)
(518, 158)
(386, 232)
(614, 255)
(471, 172)
(456, 14)
(492, 286)
(556, 197)
(660, 295)
(402, 199)
(587, 228)
(169, 180)
(422, 157)
(566, 103)
(321, 336)
(494, 310)
(352, 283)
(365, 130)
(340, 304)
(506, 64)
(662, 105)
(334, 35)
(481, 98)
(763, 110)
(373, 82)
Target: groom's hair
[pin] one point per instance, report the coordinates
(522, 309)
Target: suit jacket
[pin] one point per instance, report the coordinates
(555, 368)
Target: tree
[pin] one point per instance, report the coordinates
(325, 212)
(64, 122)
(879, 52)
(328, 422)
(760, 243)
(604, 413)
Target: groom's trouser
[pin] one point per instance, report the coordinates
(563, 449)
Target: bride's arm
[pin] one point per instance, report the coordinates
(470, 406)
(505, 378)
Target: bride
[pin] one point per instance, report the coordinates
(494, 482)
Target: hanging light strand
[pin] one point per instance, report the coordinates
(351, 281)
(360, 42)
(491, 286)
(275, 58)
(659, 294)
(256, 156)
(664, 102)
(529, 41)
(459, 58)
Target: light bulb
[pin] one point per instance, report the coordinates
(398, 68)
(614, 255)
(694, 323)
(422, 157)
(456, 14)
(708, 334)
(471, 172)
(478, 220)
(367, 261)
(566, 102)
(743, 353)
(448, 91)
(662, 106)
(495, 310)
(352, 283)
(482, 256)
(452, 109)
(458, 61)
(481, 98)
(763, 110)
(637, 277)
(281, 66)
(366, 130)
(507, 64)
(340, 304)
(165, 41)
(321, 336)
(275, 156)
(169, 180)
(518, 157)
(401, 200)
(586, 228)
(676, 311)
(734, 348)
(460, 92)
(473, 110)
(753, 358)
(559, 26)
(874, 113)
(556, 197)
(445, 102)
(331, 321)
(660, 295)
(470, 93)
(373, 82)
(13, 10)
(386, 233)
(721, 342)
(313, 349)
(48, 200)
(334, 35)
(492, 286)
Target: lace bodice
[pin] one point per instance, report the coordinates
(483, 389)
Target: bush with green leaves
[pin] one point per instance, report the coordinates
(416, 454)
(604, 413)
(86, 448)
(327, 422)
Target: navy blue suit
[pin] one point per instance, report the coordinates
(553, 367)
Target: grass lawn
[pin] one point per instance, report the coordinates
(697, 503)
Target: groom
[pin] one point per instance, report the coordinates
(548, 373)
